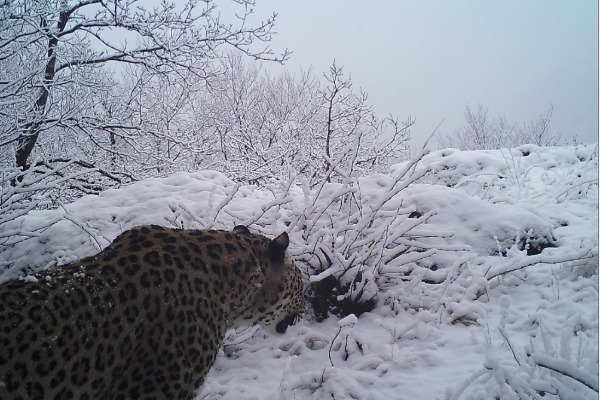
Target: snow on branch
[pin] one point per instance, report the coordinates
(524, 262)
(565, 368)
(283, 199)
(221, 205)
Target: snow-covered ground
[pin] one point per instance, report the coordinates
(514, 285)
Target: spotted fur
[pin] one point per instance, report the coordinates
(144, 318)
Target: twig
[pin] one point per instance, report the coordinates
(82, 226)
(505, 337)
(331, 345)
(222, 204)
(537, 259)
(565, 368)
(468, 382)
(564, 193)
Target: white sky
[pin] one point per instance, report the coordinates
(432, 58)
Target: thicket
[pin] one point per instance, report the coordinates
(483, 131)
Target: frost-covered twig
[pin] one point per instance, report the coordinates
(222, 204)
(455, 395)
(83, 226)
(30, 231)
(565, 368)
(510, 346)
(331, 345)
(559, 197)
(284, 198)
(197, 221)
(347, 322)
(537, 259)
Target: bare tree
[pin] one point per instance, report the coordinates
(482, 132)
(47, 45)
(338, 93)
(354, 136)
(539, 132)
(267, 126)
(477, 125)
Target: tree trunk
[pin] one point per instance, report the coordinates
(31, 131)
(329, 132)
(28, 138)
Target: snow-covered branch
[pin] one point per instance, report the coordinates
(527, 261)
(565, 368)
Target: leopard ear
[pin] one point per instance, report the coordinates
(277, 247)
(241, 230)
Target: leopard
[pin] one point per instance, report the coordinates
(145, 317)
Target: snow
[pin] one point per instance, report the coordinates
(515, 282)
(349, 320)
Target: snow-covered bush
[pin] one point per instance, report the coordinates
(356, 234)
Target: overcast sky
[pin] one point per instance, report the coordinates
(432, 58)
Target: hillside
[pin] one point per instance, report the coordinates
(501, 276)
